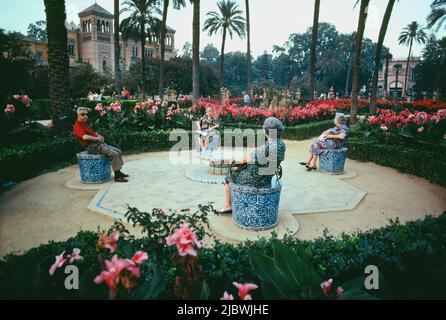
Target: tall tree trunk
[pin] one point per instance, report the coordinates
(356, 69)
(386, 74)
(163, 47)
(222, 57)
(317, 4)
(196, 50)
(143, 56)
(349, 72)
(407, 67)
(248, 53)
(382, 35)
(116, 47)
(59, 78)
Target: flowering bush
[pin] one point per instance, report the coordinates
(17, 111)
(418, 125)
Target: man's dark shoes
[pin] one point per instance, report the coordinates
(121, 174)
(120, 179)
(303, 164)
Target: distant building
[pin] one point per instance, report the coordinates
(92, 42)
(395, 87)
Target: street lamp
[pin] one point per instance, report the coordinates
(397, 67)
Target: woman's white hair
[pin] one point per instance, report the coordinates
(80, 109)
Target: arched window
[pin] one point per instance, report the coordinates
(107, 27)
(104, 63)
(103, 26)
(89, 26)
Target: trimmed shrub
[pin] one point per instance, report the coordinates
(410, 259)
(430, 165)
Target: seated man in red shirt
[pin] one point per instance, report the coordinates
(94, 143)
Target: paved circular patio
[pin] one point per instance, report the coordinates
(49, 207)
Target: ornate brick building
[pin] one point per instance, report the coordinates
(92, 42)
(396, 77)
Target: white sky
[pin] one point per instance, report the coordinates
(272, 21)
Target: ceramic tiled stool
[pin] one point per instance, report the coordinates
(94, 168)
(333, 161)
(255, 209)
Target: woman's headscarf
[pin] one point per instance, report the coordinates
(273, 123)
(341, 118)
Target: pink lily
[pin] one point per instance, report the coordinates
(326, 286)
(227, 296)
(243, 290)
(60, 260)
(139, 257)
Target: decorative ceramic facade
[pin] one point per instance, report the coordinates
(255, 209)
(94, 168)
(333, 161)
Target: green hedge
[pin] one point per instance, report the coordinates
(430, 165)
(411, 258)
(27, 161)
(300, 132)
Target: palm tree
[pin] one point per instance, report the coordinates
(177, 4)
(437, 15)
(196, 49)
(59, 79)
(248, 51)
(317, 4)
(411, 32)
(228, 20)
(349, 45)
(379, 46)
(358, 46)
(139, 25)
(116, 47)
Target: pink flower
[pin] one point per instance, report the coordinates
(10, 108)
(110, 243)
(339, 292)
(60, 260)
(116, 106)
(164, 104)
(99, 107)
(123, 270)
(420, 129)
(26, 100)
(185, 240)
(102, 113)
(140, 257)
(384, 128)
(16, 97)
(243, 290)
(227, 296)
(326, 286)
(75, 255)
(373, 120)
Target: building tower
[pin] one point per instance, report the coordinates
(96, 38)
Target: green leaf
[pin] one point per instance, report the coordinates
(356, 294)
(151, 288)
(272, 281)
(297, 270)
(205, 291)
